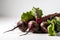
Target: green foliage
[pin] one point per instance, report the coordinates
(37, 12)
(57, 23)
(54, 25)
(51, 30)
(31, 14)
(27, 16)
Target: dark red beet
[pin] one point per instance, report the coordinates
(33, 26)
(43, 26)
(23, 26)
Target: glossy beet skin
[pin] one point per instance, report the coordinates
(44, 26)
(22, 26)
(33, 26)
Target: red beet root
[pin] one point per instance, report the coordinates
(43, 26)
(23, 26)
(33, 26)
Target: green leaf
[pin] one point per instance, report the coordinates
(51, 30)
(48, 21)
(27, 16)
(57, 23)
(37, 12)
(31, 14)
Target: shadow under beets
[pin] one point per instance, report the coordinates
(39, 32)
(57, 34)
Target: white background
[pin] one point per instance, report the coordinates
(10, 13)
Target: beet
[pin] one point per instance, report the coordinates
(23, 26)
(32, 27)
(43, 26)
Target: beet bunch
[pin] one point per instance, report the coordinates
(33, 21)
